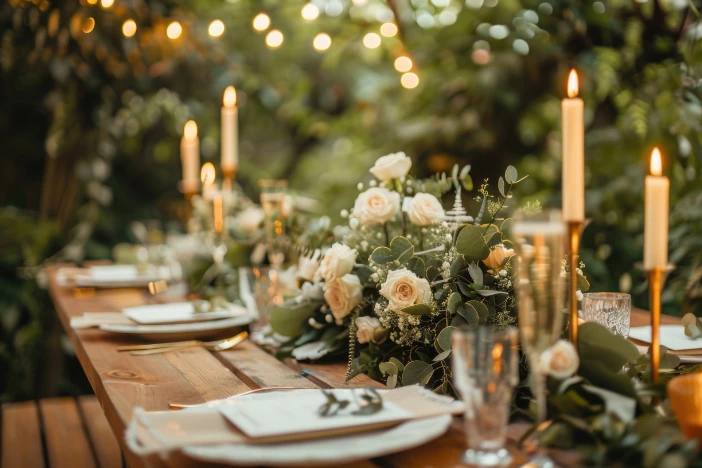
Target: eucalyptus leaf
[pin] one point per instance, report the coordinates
(402, 249)
(583, 283)
(511, 174)
(458, 322)
(417, 309)
(388, 368)
(490, 292)
(398, 363)
(454, 301)
(469, 313)
(291, 321)
(442, 356)
(416, 266)
(501, 186)
(465, 171)
(364, 272)
(417, 372)
(471, 244)
(467, 182)
(457, 266)
(433, 273)
(481, 309)
(382, 255)
(476, 273)
(444, 338)
(392, 381)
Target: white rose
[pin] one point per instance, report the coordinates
(497, 256)
(308, 265)
(403, 289)
(423, 209)
(376, 206)
(250, 219)
(392, 166)
(369, 329)
(337, 261)
(343, 294)
(561, 360)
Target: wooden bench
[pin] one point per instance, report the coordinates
(58, 433)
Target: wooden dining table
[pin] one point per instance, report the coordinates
(123, 382)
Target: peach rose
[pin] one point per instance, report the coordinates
(343, 294)
(403, 289)
(376, 206)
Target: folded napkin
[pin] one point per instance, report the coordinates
(160, 432)
(95, 319)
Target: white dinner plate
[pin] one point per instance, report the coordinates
(178, 312)
(119, 276)
(183, 331)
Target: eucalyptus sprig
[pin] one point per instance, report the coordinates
(371, 403)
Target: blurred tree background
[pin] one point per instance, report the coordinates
(95, 94)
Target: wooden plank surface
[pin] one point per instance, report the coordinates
(123, 382)
(21, 436)
(101, 437)
(67, 445)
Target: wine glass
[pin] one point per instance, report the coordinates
(274, 204)
(485, 361)
(540, 241)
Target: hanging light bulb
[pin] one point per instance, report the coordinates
(129, 28)
(107, 3)
(321, 42)
(261, 22)
(274, 39)
(310, 12)
(88, 25)
(403, 64)
(388, 29)
(174, 30)
(216, 28)
(409, 80)
(371, 40)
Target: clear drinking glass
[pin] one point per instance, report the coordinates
(612, 310)
(273, 202)
(485, 372)
(541, 287)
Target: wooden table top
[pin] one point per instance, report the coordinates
(122, 382)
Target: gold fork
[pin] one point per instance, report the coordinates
(219, 345)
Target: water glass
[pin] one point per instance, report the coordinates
(485, 372)
(274, 202)
(612, 310)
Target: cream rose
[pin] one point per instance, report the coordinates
(369, 329)
(423, 209)
(561, 360)
(308, 265)
(403, 289)
(250, 219)
(376, 206)
(337, 261)
(497, 256)
(391, 166)
(343, 294)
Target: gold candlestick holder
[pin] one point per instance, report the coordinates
(574, 230)
(229, 173)
(188, 211)
(655, 286)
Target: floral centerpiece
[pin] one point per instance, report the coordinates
(403, 275)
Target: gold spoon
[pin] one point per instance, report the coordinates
(222, 345)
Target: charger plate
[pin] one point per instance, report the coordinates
(183, 331)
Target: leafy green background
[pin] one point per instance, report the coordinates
(90, 124)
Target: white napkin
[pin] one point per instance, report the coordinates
(671, 336)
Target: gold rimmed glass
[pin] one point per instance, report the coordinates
(274, 203)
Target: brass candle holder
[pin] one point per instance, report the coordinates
(655, 285)
(574, 230)
(228, 173)
(188, 212)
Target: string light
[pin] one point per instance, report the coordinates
(174, 30)
(409, 80)
(92, 2)
(216, 28)
(371, 40)
(107, 3)
(129, 28)
(88, 25)
(310, 12)
(388, 29)
(261, 22)
(403, 64)
(321, 42)
(274, 39)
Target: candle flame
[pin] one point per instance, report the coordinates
(190, 130)
(229, 97)
(573, 84)
(207, 173)
(656, 163)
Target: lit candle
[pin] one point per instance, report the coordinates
(230, 131)
(573, 153)
(190, 157)
(656, 216)
(207, 177)
(218, 208)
